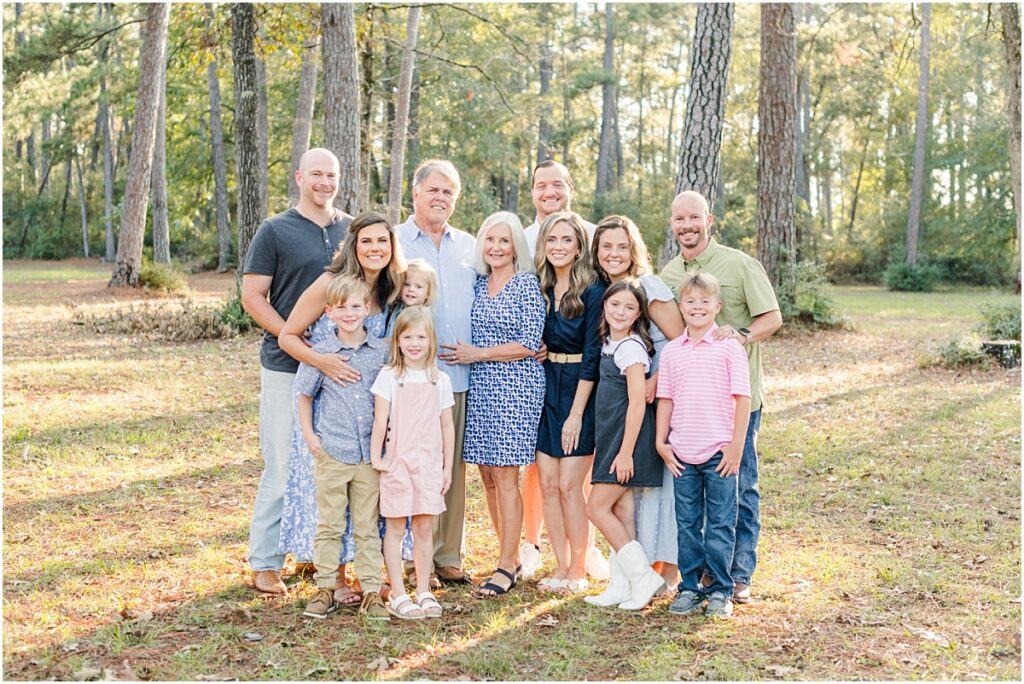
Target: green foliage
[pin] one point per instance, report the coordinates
(169, 278)
(1001, 321)
(234, 316)
(963, 349)
(806, 299)
(902, 277)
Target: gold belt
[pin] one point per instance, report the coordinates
(564, 358)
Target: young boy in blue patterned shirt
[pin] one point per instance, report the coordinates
(338, 436)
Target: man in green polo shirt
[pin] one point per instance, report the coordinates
(750, 313)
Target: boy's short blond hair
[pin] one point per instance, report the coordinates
(343, 288)
(705, 282)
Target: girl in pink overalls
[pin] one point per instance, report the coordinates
(412, 445)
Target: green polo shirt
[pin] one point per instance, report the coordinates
(746, 294)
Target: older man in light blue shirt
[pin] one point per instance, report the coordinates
(427, 235)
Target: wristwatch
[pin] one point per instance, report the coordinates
(746, 333)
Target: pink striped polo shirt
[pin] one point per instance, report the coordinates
(701, 377)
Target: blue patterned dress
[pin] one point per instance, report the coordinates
(505, 397)
(299, 515)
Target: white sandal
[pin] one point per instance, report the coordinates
(429, 605)
(404, 608)
(553, 584)
(576, 586)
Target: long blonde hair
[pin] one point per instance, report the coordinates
(580, 277)
(388, 289)
(409, 318)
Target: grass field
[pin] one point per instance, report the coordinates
(890, 503)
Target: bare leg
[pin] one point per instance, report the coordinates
(423, 550)
(393, 554)
(491, 496)
(572, 473)
(533, 504)
(510, 507)
(602, 511)
(548, 468)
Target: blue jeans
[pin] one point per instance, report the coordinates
(748, 522)
(276, 420)
(699, 490)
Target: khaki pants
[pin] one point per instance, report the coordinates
(339, 485)
(450, 526)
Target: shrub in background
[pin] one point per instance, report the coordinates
(170, 278)
(1001, 321)
(903, 278)
(805, 299)
(961, 350)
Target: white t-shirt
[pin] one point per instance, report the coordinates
(533, 232)
(628, 353)
(386, 384)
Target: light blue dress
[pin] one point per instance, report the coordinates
(656, 506)
(299, 515)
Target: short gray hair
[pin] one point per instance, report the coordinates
(522, 250)
(441, 166)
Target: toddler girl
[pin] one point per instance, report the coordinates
(419, 289)
(412, 444)
(625, 455)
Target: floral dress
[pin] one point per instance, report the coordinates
(299, 515)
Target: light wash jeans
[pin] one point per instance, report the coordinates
(276, 420)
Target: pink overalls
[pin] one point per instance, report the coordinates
(412, 486)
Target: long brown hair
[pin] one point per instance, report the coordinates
(388, 288)
(642, 325)
(580, 277)
(639, 256)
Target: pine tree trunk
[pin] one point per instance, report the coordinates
(220, 165)
(546, 71)
(161, 226)
(44, 154)
(303, 113)
(108, 178)
(367, 187)
(920, 139)
(776, 144)
(83, 207)
(341, 99)
(1011, 39)
(136, 192)
(700, 149)
(412, 151)
(247, 158)
(402, 115)
(606, 153)
(262, 128)
(67, 194)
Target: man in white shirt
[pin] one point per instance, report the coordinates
(552, 191)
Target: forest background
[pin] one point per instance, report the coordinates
(602, 88)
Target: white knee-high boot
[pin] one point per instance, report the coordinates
(644, 583)
(617, 590)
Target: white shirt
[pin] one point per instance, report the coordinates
(626, 354)
(386, 384)
(533, 232)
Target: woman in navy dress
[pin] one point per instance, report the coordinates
(506, 383)
(565, 440)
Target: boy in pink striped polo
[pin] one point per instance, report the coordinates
(704, 392)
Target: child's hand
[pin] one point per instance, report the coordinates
(651, 387)
(377, 464)
(447, 481)
(669, 457)
(622, 467)
(730, 463)
(313, 444)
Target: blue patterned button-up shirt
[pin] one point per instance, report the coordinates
(456, 274)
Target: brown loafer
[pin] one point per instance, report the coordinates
(450, 573)
(268, 582)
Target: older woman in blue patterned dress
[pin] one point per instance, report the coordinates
(371, 253)
(506, 382)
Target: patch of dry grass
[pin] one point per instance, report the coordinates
(891, 510)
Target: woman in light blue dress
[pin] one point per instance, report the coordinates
(619, 252)
(371, 253)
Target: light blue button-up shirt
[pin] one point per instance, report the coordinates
(456, 275)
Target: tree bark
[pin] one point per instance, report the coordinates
(366, 110)
(546, 71)
(920, 140)
(161, 226)
(108, 178)
(1011, 39)
(44, 152)
(83, 207)
(700, 149)
(341, 99)
(262, 128)
(220, 165)
(776, 145)
(606, 153)
(412, 26)
(247, 158)
(303, 112)
(136, 192)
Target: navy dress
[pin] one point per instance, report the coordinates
(570, 336)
